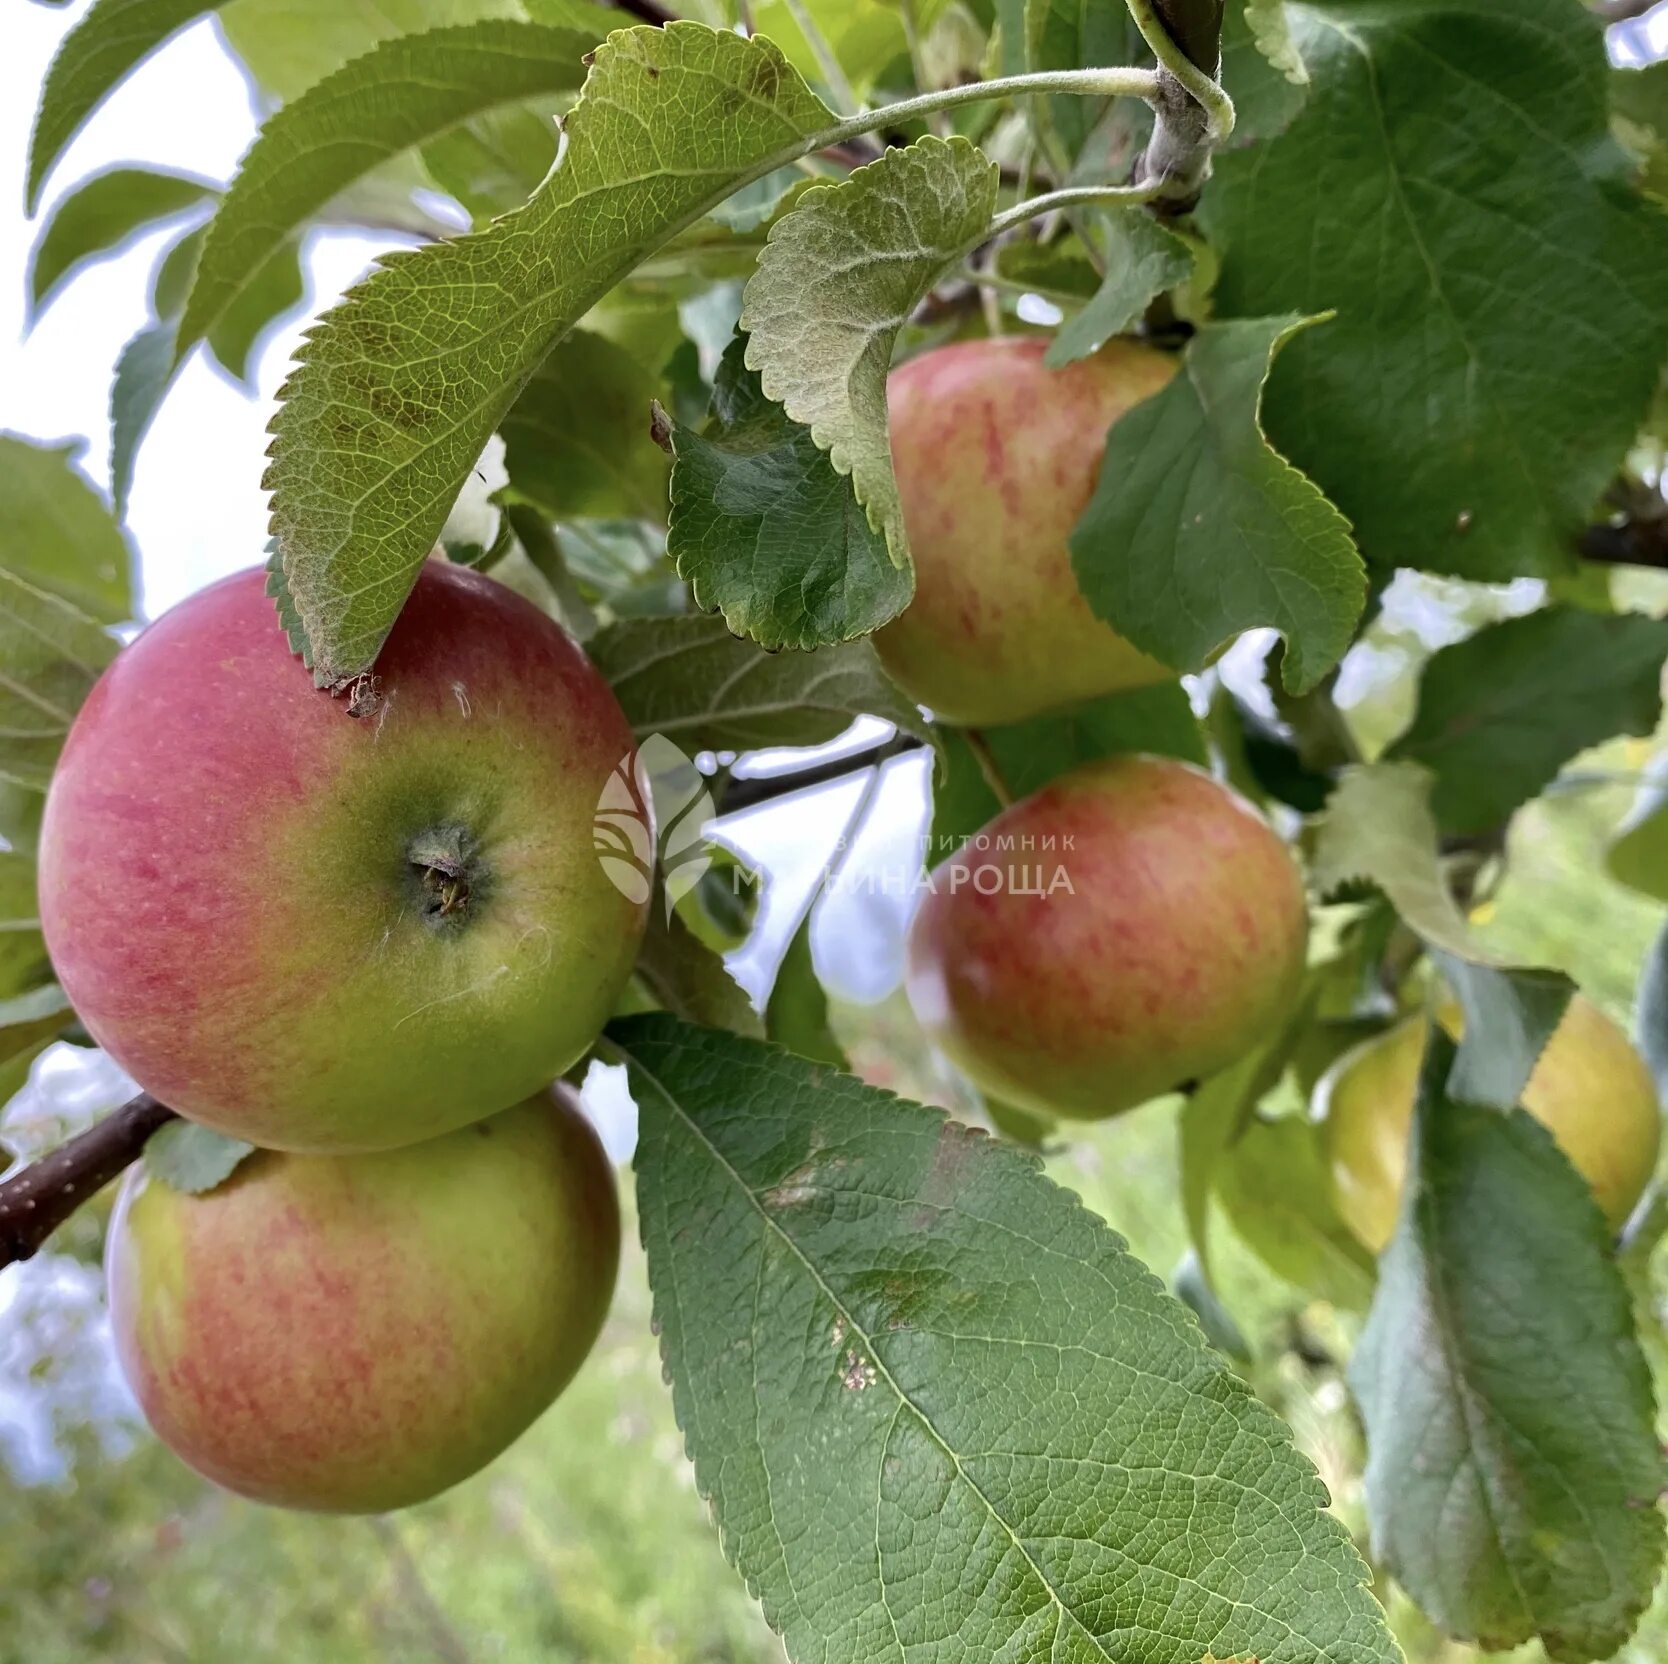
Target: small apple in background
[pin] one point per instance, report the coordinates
(996, 458)
(1590, 1089)
(340, 924)
(1178, 945)
(351, 1334)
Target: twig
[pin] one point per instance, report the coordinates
(1192, 114)
(751, 790)
(988, 765)
(35, 1202)
(647, 10)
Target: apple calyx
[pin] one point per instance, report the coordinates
(448, 874)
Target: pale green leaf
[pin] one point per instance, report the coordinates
(267, 295)
(399, 388)
(577, 442)
(1199, 528)
(144, 373)
(938, 1408)
(193, 1159)
(839, 277)
(796, 1014)
(57, 533)
(1378, 827)
(401, 93)
(1451, 189)
(100, 216)
(1513, 1471)
(1638, 853)
(687, 978)
(768, 532)
(23, 961)
(1143, 260)
(1076, 34)
(1502, 711)
(689, 680)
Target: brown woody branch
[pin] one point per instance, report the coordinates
(647, 11)
(35, 1202)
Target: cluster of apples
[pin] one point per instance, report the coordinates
(1177, 938)
(365, 935)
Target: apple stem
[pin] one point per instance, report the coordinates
(988, 765)
(35, 1202)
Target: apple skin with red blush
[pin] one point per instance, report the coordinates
(338, 924)
(996, 457)
(1133, 926)
(351, 1334)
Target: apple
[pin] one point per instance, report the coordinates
(1590, 1089)
(352, 1334)
(1131, 927)
(337, 924)
(996, 458)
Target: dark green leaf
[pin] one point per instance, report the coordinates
(144, 373)
(796, 1014)
(1501, 712)
(193, 1159)
(577, 441)
(768, 532)
(1450, 189)
(691, 681)
(688, 978)
(1194, 1291)
(266, 296)
(1513, 1470)
(100, 217)
(936, 1405)
(1198, 529)
(1276, 1192)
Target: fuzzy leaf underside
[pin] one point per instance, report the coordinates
(399, 388)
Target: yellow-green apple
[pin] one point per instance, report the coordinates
(340, 924)
(357, 1333)
(996, 457)
(1590, 1089)
(1131, 927)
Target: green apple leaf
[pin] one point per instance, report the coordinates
(691, 681)
(1513, 1469)
(688, 978)
(1262, 69)
(1143, 259)
(1029, 754)
(1502, 711)
(64, 577)
(193, 1159)
(1276, 1194)
(577, 443)
(144, 373)
(100, 216)
(936, 1405)
(1638, 853)
(23, 961)
(497, 160)
(57, 533)
(1378, 827)
(767, 531)
(796, 1014)
(399, 94)
(838, 278)
(1075, 34)
(1501, 312)
(399, 388)
(111, 38)
(267, 294)
(1199, 529)
(1639, 112)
